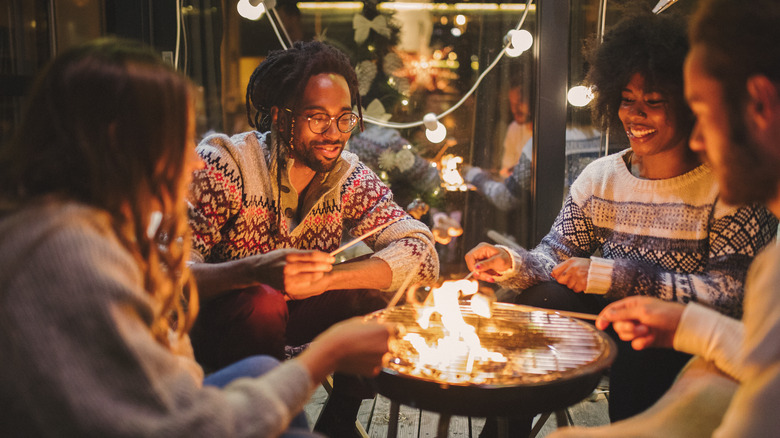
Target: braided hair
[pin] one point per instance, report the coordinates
(279, 81)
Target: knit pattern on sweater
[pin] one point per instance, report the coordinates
(234, 210)
(669, 239)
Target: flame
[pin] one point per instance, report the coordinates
(460, 343)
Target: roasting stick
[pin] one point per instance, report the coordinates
(577, 315)
(358, 239)
(401, 290)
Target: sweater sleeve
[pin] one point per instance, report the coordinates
(571, 235)
(710, 334)
(734, 240)
(215, 196)
(83, 359)
(753, 410)
(506, 195)
(407, 246)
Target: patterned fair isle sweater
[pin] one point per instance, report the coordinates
(670, 238)
(234, 211)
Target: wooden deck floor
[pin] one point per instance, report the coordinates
(413, 423)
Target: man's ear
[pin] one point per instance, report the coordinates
(764, 102)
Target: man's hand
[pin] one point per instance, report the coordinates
(300, 273)
(486, 261)
(646, 322)
(573, 273)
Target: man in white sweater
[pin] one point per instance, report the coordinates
(732, 84)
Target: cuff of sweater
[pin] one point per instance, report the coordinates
(696, 324)
(503, 275)
(599, 276)
(477, 177)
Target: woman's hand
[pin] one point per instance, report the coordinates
(645, 321)
(486, 261)
(354, 346)
(573, 273)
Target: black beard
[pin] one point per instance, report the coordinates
(306, 156)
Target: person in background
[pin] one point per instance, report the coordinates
(519, 131)
(269, 207)
(732, 387)
(646, 221)
(96, 299)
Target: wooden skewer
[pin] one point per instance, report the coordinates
(358, 239)
(578, 315)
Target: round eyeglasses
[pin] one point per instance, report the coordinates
(319, 123)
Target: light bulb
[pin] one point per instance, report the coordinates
(521, 39)
(249, 11)
(579, 95)
(512, 51)
(434, 130)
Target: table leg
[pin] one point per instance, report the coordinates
(503, 427)
(444, 426)
(392, 422)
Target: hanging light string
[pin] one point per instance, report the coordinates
(276, 31)
(271, 5)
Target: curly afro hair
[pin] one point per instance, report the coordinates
(654, 46)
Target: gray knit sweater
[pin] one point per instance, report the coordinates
(77, 354)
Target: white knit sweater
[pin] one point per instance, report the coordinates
(669, 238)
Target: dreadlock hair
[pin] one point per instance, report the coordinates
(653, 46)
(279, 81)
(106, 125)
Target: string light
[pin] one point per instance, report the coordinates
(579, 95)
(435, 133)
(251, 9)
(519, 42)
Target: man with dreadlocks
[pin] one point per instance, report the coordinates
(269, 206)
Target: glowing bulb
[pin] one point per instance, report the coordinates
(456, 32)
(522, 39)
(512, 51)
(249, 11)
(434, 130)
(579, 95)
(460, 20)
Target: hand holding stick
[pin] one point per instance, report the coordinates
(356, 240)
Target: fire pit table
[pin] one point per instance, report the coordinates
(546, 362)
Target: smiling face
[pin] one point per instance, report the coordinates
(324, 93)
(649, 124)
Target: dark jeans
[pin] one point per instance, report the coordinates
(637, 379)
(256, 366)
(257, 320)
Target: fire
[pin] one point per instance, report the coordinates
(459, 346)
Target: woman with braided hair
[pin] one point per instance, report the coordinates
(271, 204)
